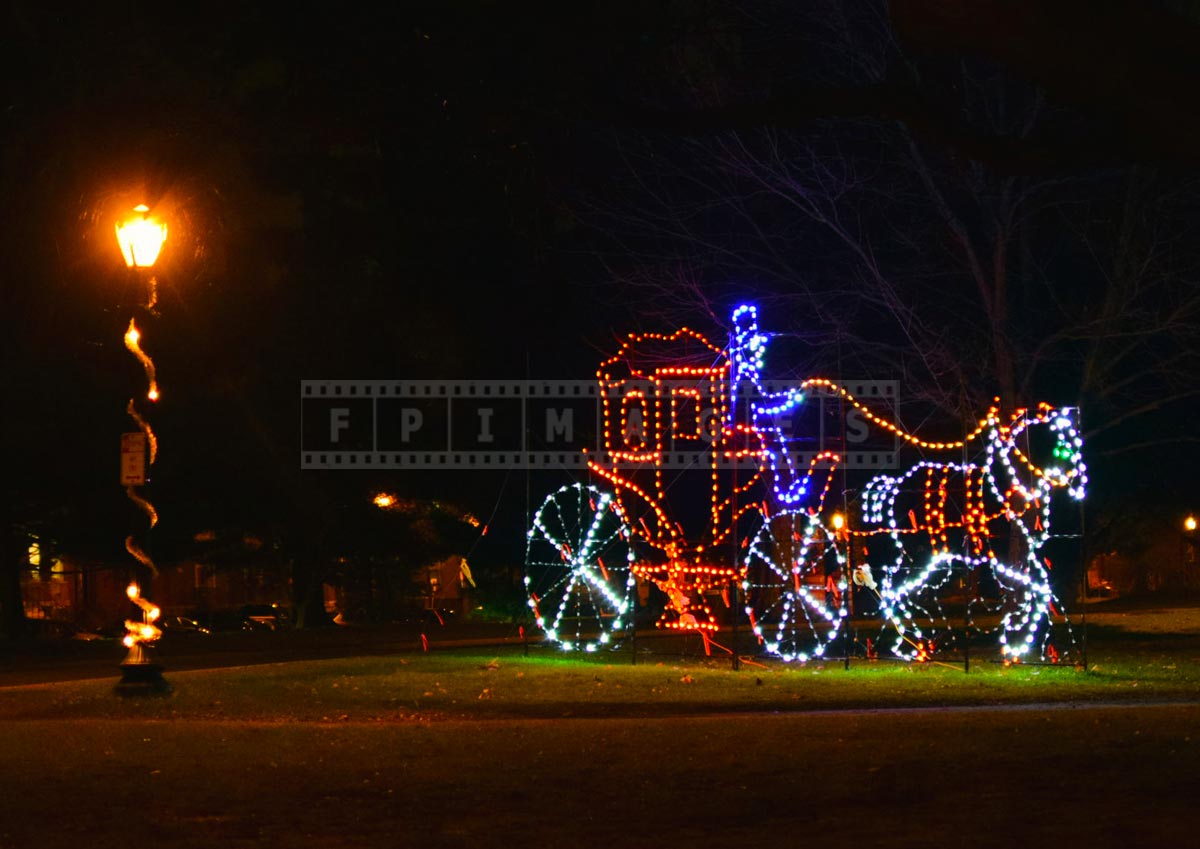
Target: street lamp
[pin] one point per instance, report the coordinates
(842, 533)
(1189, 524)
(140, 237)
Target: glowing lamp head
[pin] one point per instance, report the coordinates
(1189, 524)
(141, 238)
(839, 521)
(132, 591)
(384, 500)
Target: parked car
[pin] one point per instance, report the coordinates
(181, 625)
(263, 617)
(55, 629)
(427, 616)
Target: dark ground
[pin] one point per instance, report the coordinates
(1095, 776)
(1098, 774)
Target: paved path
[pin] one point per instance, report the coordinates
(67, 660)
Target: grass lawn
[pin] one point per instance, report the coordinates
(469, 684)
(495, 749)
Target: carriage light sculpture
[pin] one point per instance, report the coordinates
(588, 549)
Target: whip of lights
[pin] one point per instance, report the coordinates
(132, 338)
(141, 238)
(151, 439)
(144, 632)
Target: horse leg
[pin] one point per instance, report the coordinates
(1026, 621)
(911, 603)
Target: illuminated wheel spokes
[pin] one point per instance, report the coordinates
(578, 575)
(795, 587)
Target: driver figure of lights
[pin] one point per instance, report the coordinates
(747, 351)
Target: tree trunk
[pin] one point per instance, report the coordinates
(308, 600)
(12, 606)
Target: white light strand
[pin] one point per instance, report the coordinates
(568, 582)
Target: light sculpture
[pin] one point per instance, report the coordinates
(996, 500)
(791, 566)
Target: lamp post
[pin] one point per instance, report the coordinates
(842, 533)
(1189, 541)
(141, 237)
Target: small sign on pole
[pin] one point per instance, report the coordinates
(133, 459)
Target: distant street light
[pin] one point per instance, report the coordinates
(1189, 524)
(141, 237)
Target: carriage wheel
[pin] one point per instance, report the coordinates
(577, 568)
(795, 587)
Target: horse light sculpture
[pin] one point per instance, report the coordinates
(1005, 491)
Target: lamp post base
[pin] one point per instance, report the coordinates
(140, 676)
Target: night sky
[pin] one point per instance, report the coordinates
(457, 189)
